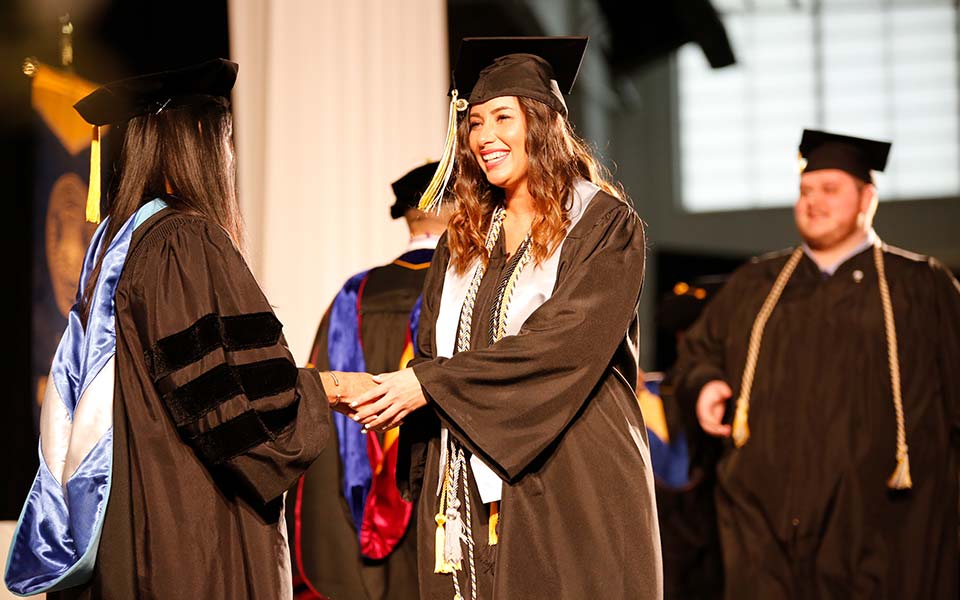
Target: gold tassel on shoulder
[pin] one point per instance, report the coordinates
(93, 191)
(433, 195)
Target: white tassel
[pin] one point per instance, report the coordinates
(453, 534)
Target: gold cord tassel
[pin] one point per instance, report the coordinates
(900, 480)
(741, 429)
(433, 195)
(440, 564)
(93, 191)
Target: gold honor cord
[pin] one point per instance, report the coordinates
(900, 480)
(741, 430)
(433, 195)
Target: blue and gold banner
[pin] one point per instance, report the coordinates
(60, 232)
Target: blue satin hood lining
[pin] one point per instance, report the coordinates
(55, 544)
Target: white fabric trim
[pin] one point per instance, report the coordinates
(55, 427)
(91, 419)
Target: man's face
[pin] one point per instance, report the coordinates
(829, 208)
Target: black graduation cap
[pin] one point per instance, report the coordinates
(856, 156)
(541, 68)
(120, 101)
(409, 188)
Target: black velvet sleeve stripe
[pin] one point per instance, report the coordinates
(241, 332)
(267, 377)
(257, 380)
(242, 433)
(278, 420)
(231, 438)
(192, 400)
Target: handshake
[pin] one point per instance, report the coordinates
(344, 388)
(377, 402)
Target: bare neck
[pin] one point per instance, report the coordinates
(519, 204)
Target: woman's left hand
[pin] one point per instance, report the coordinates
(388, 404)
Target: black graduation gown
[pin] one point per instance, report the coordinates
(553, 411)
(212, 423)
(803, 507)
(328, 555)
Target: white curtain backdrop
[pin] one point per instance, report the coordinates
(334, 100)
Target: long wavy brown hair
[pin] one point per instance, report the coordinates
(189, 148)
(557, 158)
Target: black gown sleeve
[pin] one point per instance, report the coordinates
(214, 350)
(947, 292)
(510, 401)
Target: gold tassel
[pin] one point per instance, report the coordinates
(492, 537)
(433, 195)
(741, 430)
(93, 192)
(900, 480)
(440, 565)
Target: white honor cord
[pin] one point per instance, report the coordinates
(444, 443)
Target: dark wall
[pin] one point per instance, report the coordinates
(17, 442)
(112, 39)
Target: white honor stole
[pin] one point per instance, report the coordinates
(534, 287)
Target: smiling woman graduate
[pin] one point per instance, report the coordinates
(175, 418)
(522, 436)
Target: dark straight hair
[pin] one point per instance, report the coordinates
(188, 148)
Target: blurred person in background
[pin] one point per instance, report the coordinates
(830, 373)
(349, 499)
(683, 462)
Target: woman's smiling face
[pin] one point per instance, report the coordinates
(498, 133)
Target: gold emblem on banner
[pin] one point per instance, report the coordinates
(67, 237)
